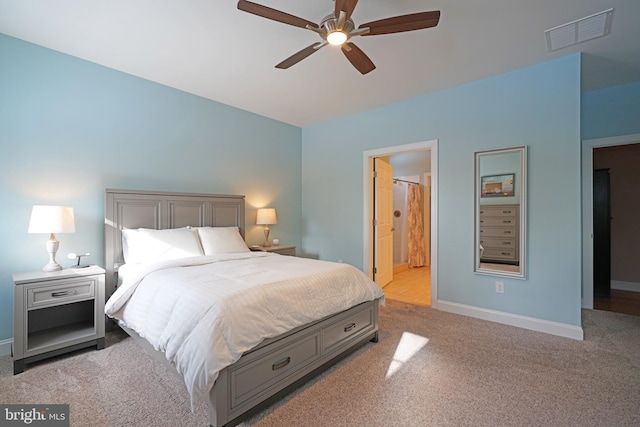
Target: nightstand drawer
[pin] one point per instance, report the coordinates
(289, 251)
(280, 250)
(61, 293)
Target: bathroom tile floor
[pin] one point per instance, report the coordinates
(412, 286)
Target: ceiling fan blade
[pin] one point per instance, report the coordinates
(273, 14)
(299, 56)
(399, 24)
(346, 6)
(357, 58)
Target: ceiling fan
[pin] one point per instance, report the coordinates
(338, 28)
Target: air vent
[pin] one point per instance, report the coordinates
(581, 30)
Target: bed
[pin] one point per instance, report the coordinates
(240, 328)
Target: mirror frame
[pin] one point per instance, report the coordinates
(521, 183)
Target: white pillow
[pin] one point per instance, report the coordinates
(145, 245)
(221, 240)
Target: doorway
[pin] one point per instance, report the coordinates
(624, 280)
(369, 206)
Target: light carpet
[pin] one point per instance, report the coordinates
(429, 368)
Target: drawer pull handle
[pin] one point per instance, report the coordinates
(281, 364)
(506, 253)
(63, 293)
(350, 327)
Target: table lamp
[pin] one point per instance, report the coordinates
(266, 217)
(52, 219)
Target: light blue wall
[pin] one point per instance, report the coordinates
(611, 112)
(537, 106)
(70, 128)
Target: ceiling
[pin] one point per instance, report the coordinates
(211, 49)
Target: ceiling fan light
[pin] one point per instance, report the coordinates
(336, 38)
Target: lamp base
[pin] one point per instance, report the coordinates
(52, 247)
(266, 236)
(52, 267)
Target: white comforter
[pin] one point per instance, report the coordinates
(205, 312)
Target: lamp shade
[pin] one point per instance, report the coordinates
(51, 219)
(266, 216)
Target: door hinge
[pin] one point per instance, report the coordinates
(375, 270)
(375, 222)
(375, 174)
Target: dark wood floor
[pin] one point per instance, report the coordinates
(620, 301)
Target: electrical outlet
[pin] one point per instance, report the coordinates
(500, 287)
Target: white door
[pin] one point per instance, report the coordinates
(383, 222)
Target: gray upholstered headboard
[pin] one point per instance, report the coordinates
(160, 210)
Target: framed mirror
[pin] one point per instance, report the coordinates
(500, 212)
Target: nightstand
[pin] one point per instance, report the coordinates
(56, 312)
(280, 249)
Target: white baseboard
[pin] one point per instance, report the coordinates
(5, 347)
(532, 323)
(625, 286)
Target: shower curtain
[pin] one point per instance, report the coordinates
(400, 233)
(416, 255)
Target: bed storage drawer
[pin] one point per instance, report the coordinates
(258, 375)
(342, 331)
(261, 374)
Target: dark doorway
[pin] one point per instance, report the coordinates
(601, 233)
